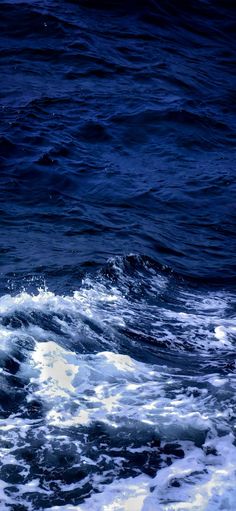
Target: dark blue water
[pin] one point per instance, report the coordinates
(118, 242)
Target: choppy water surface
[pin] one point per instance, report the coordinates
(117, 302)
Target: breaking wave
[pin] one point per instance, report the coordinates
(120, 395)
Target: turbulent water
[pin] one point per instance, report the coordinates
(118, 241)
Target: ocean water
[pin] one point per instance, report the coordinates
(118, 242)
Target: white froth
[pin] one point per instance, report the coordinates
(57, 370)
(123, 495)
(114, 389)
(195, 483)
(217, 381)
(203, 485)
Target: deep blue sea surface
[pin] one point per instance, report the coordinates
(118, 243)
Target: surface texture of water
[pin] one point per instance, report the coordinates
(117, 303)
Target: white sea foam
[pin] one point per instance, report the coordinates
(123, 495)
(201, 320)
(115, 389)
(198, 482)
(48, 301)
(78, 389)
